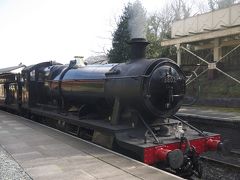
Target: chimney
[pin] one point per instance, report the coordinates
(138, 48)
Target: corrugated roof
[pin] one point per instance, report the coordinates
(11, 70)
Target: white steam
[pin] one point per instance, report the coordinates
(137, 21)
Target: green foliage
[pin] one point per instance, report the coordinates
(153, 26)
(154, 49)
(158, 28)
(221, 87)
(120, 51)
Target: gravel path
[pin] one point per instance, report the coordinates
(10, 169)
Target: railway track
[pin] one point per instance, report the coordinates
(221, 162)
(219, 166)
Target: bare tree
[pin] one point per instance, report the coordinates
(219, 4)
(181, 9)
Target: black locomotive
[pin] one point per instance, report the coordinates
(128, 106)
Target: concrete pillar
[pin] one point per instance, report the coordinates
(217, 50)
(179, 54)
(217, 54)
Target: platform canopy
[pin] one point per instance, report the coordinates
(12, 70)
(212, 30)
(201, 30)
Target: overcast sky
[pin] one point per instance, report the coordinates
(33, 31)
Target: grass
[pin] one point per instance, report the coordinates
(221, 87)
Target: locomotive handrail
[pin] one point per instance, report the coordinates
(146, 125)
(133, 77)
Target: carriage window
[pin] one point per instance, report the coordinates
(32, 75)
(2, 93)
(41, 77)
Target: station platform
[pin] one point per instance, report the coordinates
(208, 113)
(40, 152)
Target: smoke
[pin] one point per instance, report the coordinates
(137, 21)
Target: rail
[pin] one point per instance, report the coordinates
(230, 161)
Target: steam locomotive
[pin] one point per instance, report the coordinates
(129, 107)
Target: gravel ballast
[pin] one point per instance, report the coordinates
(10, 169)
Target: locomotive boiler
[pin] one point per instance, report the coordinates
(129, 107)
(155, 88)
